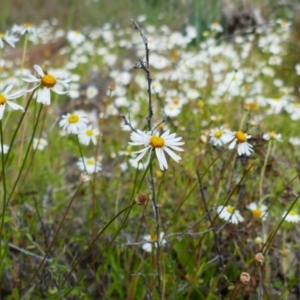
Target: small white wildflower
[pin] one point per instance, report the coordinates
(220, 136)
(47, 83)
(10, 39)
(89, 165)
(240, 138)
(230, 214)
(5, 100)
(272, 135)
(74, 123)
(39, 144)
(162, 144)
(292, 217)
(153, 238)
(258, 211)
(88, 135)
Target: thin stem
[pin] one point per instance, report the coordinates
(24, 51)
(26, 155)
(263, 173)
(4, 188)
(210, 219)
(146, 68)
(18, 127)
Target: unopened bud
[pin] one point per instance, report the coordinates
(203, 139)
(285, 253)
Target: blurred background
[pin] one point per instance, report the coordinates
(76, 14)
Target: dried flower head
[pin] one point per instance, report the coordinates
(259, 257)
(84, 177)
(245, 278)
(141, 199)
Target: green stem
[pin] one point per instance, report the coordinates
(24, 50)
(26, 155)
(4, 190)
(263, 173)
(18, 127)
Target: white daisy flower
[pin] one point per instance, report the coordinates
(240, 138)
(5, 100)
(75, 37)
(172, 110)
(161, 144)
(10, 39)
(39, 144)
(258, 211)
(230, 214)
(88, 135)
(220, 136)
(272, 135)
(89, 165)
(74, 123)
(295, 141)
(216, 27)
(5, 148)
(91, 92)
(25, 28)
(46, 82)
(292, 217)
(153, 238)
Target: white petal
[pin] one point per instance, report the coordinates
(15, 106)
(8, 88)
(172, 154)
(163, 165)
(2, 108)
(58, 91)
(39, 70)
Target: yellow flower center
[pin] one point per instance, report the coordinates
(73, 119)
(251, 105)
(157, 142)
(218, 133)
(256, 213)
(241, 137)
(175, 55)
(283, 22)
(2, 35)
(230, 209)
(48, 81)
(175, 101)
(90, 162)
(89, 132)
(153, 238)
(200, 103)
(28, 25)
(2, 99)
(292, 213)
(272, 134)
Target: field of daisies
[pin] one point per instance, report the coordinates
(143, 162)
